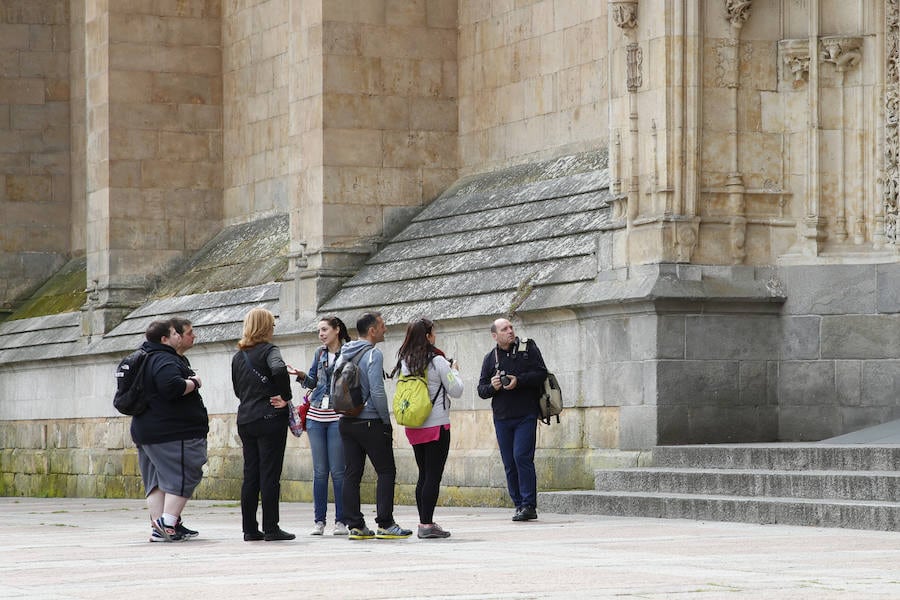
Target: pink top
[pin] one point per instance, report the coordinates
(424, 435)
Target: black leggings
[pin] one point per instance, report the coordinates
(431, 458)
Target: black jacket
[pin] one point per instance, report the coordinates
(249, 387)
(526, 363)
(171, 415)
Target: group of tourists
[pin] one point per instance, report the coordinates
(170, 434)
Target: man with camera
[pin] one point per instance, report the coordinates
(511, 376)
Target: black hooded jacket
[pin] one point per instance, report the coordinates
(171, 414)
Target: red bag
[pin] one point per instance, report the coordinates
(302, 410)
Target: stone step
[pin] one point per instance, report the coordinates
(881, 486)
(783, 457)
(882, 516)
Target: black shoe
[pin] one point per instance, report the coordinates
(254, 536)
(278, 536)
(186, 533)
(525, 513)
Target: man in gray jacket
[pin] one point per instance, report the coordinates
(369, 434)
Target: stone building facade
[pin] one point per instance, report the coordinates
(692, 206)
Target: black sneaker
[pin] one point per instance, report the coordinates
(525, 513)
(186, 533)
(167, 532)
(278, 536)
(254, 536)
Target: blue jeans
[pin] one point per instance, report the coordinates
(517, 439)
(328, 457)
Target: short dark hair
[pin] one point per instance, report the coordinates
(157, 330)
(179, 323)
(367, 321)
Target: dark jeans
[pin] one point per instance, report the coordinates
(517, 439)
(431, 458)
(264, 441)
(372, 438)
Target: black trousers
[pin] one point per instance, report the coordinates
(264, 441)
(372, 438)
(431, 458)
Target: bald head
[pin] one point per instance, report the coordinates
(503, 333)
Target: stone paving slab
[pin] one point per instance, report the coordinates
(97, 549)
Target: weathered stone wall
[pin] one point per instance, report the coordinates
(35, 197)
(154, 143)
(841, 367)
(533, 81)
(256, 73)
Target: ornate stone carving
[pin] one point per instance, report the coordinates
(633, 59)
(842, 51)
(891, 176)
(726, 63)
(795, 57)
(624, 13)
(686, 235)
(738, 12)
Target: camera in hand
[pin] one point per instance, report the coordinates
(504, 378)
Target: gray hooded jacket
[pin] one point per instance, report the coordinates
(372, 384)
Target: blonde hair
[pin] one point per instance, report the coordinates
(259, 326)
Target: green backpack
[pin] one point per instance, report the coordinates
(412, 405)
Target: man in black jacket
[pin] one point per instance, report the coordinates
(171, 434)
(512, 375)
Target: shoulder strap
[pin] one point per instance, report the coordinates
(262, 377)
(358, 356)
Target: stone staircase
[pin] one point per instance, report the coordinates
(849, 486)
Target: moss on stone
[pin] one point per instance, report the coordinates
(64, 292)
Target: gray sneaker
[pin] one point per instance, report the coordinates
(340, 529)
(361, 533)
(432, 532)
(318, 528)
(394, 532)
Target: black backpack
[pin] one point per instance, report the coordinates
(129, 398)
(346, 390)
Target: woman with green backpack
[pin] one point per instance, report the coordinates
(418, 358)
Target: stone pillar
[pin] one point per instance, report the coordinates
(373, 132)
(35, 236)
(153, 146)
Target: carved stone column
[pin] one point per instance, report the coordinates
(886, 220)
(738, 11)
(844, 53)
(624, 15)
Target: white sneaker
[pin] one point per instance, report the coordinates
(318, 529)
(340, 529)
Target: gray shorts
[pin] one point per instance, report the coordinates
(174, 467)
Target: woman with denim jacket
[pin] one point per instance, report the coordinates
(322, 424)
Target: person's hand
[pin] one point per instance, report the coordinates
(513, 380)
(277, 402)
(455, 365)
(495, 381)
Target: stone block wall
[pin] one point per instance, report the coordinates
(153, 147)
(256, 74)
(35, 193)
(533, 80)
(841, 371)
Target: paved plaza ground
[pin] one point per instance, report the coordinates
(98, 549)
